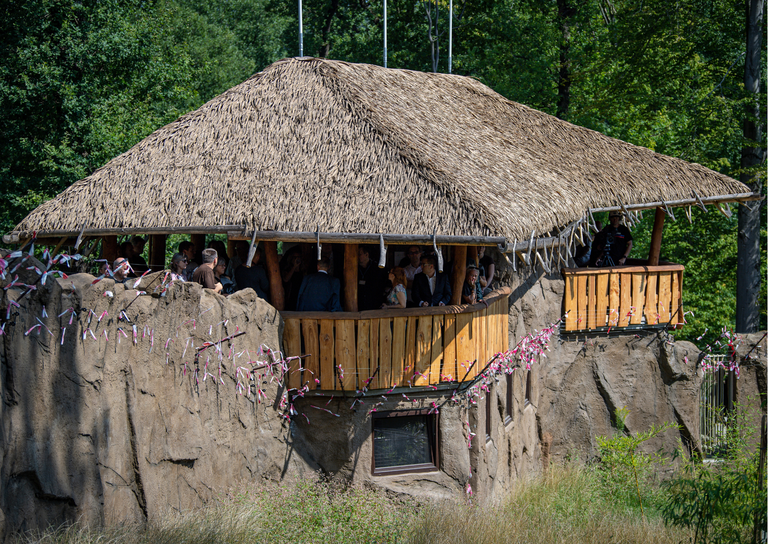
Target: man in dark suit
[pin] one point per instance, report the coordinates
(319, 292)
(429, 287)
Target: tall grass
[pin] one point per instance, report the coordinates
(568, 504)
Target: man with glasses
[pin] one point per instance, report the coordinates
(412, 266)
(429, 287)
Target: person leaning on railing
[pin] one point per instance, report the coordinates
(429, 287)
(396, 297)
(472, 292)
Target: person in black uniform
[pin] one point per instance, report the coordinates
(612, 244)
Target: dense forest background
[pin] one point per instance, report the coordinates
(81, 81)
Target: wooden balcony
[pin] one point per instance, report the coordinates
(623, 297)
(401, 347)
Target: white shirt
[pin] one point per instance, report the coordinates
(411, 271)
(432, 283)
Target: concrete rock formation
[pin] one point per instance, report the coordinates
(106, 427)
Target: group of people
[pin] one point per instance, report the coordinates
(414, 282)
(219, 273)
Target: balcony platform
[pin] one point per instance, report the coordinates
(630, 297)
(420, 347)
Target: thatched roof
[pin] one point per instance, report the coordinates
(356, 148)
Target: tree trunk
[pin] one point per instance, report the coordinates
(565, 11)
(326, 47)
(752, 155)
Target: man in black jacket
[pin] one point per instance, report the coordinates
(429, 287)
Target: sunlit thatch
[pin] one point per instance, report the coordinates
(359, 148)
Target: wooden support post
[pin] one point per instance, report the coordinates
(276, 294)
(658, 228)
(472, 253)
(349, 297)
(157, 252)
(109, 249)
(199, 241)
(458, 273)
(230, 248)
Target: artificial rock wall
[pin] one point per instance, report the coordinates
(105, 429)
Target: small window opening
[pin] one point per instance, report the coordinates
(508, 416)
(404, 441)
(488, 413)
(528, 387)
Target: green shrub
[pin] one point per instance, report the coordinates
(628, 473)
(723, 501)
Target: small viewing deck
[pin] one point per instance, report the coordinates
(634, 296)
(399, 347)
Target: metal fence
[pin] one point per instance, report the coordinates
(715, 408)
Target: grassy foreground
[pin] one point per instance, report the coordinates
(567, 505)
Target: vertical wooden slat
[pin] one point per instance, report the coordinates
(625, 298)
(602, 300)
(423, 350)
(571, 309)
(505, 324)
(385, 353)
(650, 300)
(581, 302)
(410, 350)
(312, 350)
(345, 353)
(465, 352)
(449, 353)
(592, 302)
(374, 347)
(677, 310)
(638, 297)
(292, 345)
(665, 296)
(483, 317)
(327, 355)
(613, 299)
(363, 352)
(437, 349)
(398, 350)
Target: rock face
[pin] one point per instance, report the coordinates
(111, 425)
(586, 377)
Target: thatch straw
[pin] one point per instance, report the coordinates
(359, 148)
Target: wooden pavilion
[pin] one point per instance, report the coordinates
(317, 151)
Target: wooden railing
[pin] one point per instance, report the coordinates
(622, 296)
(412, 346)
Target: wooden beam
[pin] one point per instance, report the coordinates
(349, 297)
(109, 249)
(658, 228)
(157, 252)
(458, 273)
(276, 294)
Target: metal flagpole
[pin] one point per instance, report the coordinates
(385, 33)
(301, 32)
(450, 38)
